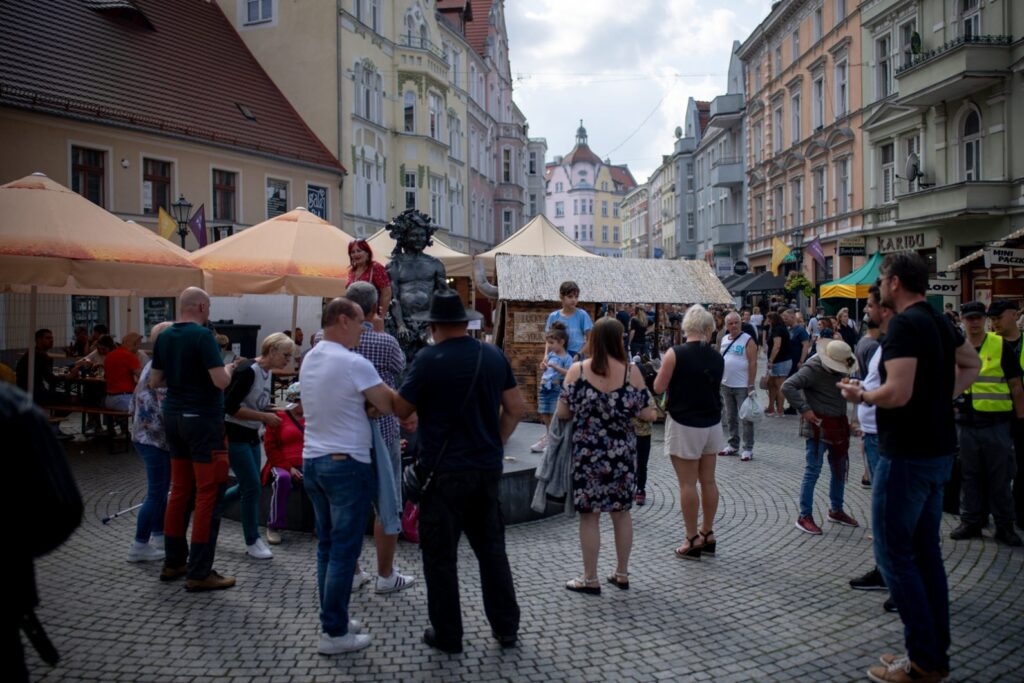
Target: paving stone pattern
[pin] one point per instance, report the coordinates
(773, 605)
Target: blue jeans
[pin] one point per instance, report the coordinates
(245, 463)
(837, 487)
(871, 453)
(906, 512)
(340, 490)
(158, 482)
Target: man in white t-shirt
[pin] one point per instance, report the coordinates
(336, 386)
(739, 351)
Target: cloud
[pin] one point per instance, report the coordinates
(612, 64)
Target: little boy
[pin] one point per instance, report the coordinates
(577, 322)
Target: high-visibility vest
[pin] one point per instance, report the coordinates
(990, 393)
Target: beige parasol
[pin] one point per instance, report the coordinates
(456, 264)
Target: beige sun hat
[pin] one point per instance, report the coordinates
(837, 356)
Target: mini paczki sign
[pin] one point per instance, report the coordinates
(1004, 257)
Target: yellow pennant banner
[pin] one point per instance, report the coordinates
(166, 224)
(779, 252)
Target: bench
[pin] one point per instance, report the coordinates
(94, 410)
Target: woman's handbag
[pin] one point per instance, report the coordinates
(411, 522)
(413, 485)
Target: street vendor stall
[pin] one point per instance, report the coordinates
(852, 287)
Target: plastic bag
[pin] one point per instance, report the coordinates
(750, 410)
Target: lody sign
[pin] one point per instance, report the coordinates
(943, 287)
(1004, 257)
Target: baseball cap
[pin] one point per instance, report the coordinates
(972, 309)
(997, 307)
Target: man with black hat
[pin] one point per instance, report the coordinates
(468, 404)
(983, 418)
(1003, 316)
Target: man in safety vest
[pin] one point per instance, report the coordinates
(984, 416)
(1003, 317)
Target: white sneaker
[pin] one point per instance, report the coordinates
(393, 583)
(259, 550)
(540, 445)
(746, 455)
(728, 450)
(144, 552)
(359, 580)
(350, 642)
(157, 541)
(355, 626)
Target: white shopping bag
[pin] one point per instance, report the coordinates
(750, 410)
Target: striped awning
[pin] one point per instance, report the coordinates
(957, 265)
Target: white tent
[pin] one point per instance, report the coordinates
(539, 237)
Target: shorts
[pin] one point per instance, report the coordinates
(690, 443)
(395, 456)
(781, 369)
(547, 400)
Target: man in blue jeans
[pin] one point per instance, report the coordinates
(925, 363)
(337, 383)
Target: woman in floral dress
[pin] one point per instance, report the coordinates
(602, 395)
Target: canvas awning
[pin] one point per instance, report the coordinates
(539, 237)
(856, 284)
(957, 265)
(761, 282)
(456, 264)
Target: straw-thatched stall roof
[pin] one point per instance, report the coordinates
(539, 237)
(654, 281)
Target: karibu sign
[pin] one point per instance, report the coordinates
(1004, 257)
(853, 246)
(943, 287)
(908, 242)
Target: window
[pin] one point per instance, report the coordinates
(912, 147)
(375, 15)
(972, 146)
(816, 25)
(691, 233)
(456, 63)
(819, 193)
(410, 190)
(604, 209)
(457, 213)
(840, 10)
(576, 232)
(615, 234)
(277, 197)
(558, 187)
(559, 209)
(604, 233)
(689, 176)
(779, 208)
(818, 102)
(156, 186)
(89, 311)
(777, 129)
(532, 168)
(794, 105)
(604, 185)
(758, 142)
(410, 112)
(907, 31)
(842, 88)
(970, 12)
(842, 186)
(224, 183)
(472, 81)
(575, 207)
(454, 137)
(87, 173)
(796, 44)
(506, 222)
(797, 201)
(533, 204)
(436, 186)
(506, 165)
(888, 173)
(883, 68)
(368, 92)
(757, 77)
(258, 11)
(615, 210)
(777, 62)
(434, 104)
(759, 215)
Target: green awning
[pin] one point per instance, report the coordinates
(856, 284)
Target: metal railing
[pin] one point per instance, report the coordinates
(928, 55)
(726, 160)
(420, 43)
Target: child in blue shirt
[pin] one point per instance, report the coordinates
(555, 365)
(577, 322)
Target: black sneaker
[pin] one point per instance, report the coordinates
(430, 638)
(965, 531)
(507, 640)
(890, 605)
(872, 581)
(1008, 536)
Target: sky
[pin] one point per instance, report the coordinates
(625, 68)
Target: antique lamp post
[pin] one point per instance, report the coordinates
(181, 210)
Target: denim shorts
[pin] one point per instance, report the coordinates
(781, 369)
(548, 399)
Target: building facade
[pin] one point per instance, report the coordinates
(719, 226)
(635, 225)
(584, 196)
(945, 152)
(688, 136)
(803, 132)
(536, 161)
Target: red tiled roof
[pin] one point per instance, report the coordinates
(621, 175)
(703, 113)
(581, 152)
(174, 67)
(478, 26)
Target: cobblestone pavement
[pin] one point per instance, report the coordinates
(774, 604)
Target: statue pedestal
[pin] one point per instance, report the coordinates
(517, 481)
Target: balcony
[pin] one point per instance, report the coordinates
(957, 199)
(726, 111)
(954, 70)
(728, 233)
(727, 172)
(418, 52)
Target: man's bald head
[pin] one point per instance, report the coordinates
(194, 305)
(733, 316)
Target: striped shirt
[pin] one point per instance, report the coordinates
(386, 355)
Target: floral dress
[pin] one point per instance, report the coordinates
(603, 444)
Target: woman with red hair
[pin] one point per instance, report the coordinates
(363, 267)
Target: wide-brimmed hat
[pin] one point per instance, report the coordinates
(446, 307)
(837, 356)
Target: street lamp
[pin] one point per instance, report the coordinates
(182, 209)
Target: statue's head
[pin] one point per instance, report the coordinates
(412, 230)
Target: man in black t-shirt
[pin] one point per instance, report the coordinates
(468, 404)
(925, 363)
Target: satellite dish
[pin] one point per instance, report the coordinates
(679, 132)
(912, 169)
(915, 43)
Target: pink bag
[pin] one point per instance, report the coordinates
(410, 522)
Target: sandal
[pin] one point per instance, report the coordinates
(708, 546)
(690, 552)
(618, 580)
(581, 585)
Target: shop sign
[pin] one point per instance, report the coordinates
(943, 287)
(723, 266)
(853, 246)
(908, 242)
(1004, 257)
(740, 268)
(529, 327)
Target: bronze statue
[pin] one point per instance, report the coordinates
(415, 277)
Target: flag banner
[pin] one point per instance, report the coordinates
(198, 225)
(166, 224)
(815, 250)
(779, 252)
